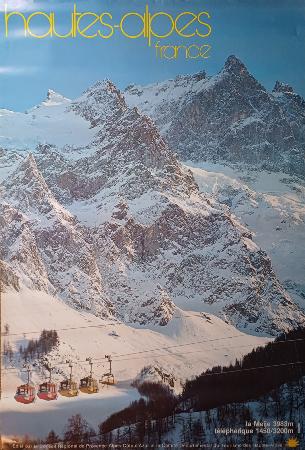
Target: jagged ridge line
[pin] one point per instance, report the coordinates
(93, 326)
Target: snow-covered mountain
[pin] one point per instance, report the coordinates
(160, 260)
(42, 243)
(50, 121)
(229, 117)
(119, 227)
(272, 206)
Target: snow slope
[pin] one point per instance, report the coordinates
(132, 348)
(51, 122)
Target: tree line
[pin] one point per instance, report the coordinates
(36, 348)
(258, 372)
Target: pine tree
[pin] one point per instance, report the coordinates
(52, 438)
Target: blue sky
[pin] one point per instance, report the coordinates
(267, 35)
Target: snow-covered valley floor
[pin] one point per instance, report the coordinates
(38, 418)
(190, 343)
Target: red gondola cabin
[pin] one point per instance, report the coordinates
(25, 394)
(47, 391)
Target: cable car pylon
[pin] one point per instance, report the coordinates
(68, 387)
(108, 377)
(48, 389)
(88, 384)
(25, 393)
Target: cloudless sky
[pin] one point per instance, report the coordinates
(267, 35)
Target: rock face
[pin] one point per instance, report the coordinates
(43, 244)
(293, 106)
(229, 118)
(119, 227)
(8, 277)
(100, 102)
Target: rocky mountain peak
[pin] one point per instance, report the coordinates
(228, 117)
(52, 99)
(283, 88)
(103, 86)
(200, 75)
(235, 66)
(55, 98)
(100, 102)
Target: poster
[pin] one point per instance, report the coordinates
(152, 224)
